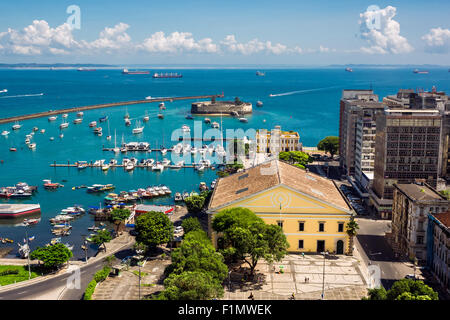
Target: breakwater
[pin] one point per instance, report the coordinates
(104, 105)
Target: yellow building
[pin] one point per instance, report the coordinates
(286, 140)
(311, 210)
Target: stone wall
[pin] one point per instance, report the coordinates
(225, 107)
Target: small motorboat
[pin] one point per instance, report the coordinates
(5, 133)
(259, 104)
(12, 149)
(92, 124)
(245, 120)
(52, 118)
(78, 120)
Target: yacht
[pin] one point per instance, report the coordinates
(165, 162)
(129, 166)
(259, 104)
(61, 135)
(185, 128)
(207, 120)
(52, 138)
(215, 125)
(243, 120)
(163, 151)
(65, 115)
(35, 129)
(148, 98)
(139, 128)
(161, 105)
(127, 122)
(16, 126)
(99, 163)
(43, 131)
(80, 114)
(146, 117)
(98, 130)
(5, 133)
(92, 124)
(112, 162)
(157, 166)
(160, 116)
(78, 120)
(27, 140)
(52, 118)
(82, 164)
(32, 146)
(105, 167)
(178, 197)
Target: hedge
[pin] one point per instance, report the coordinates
(90, 290)
(99, 276)
(9, 271)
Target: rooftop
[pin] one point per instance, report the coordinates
(418, 192)
(270, 174)
(443, 217)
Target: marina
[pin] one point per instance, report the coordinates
(56, 159)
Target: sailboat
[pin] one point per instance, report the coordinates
(146, 117)
(138, 128)
(123, 149)
(127, 115)
(108, 137)
(116, 149)
(64, 124)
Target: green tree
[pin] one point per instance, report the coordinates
(377, 294)
(191, 285)
(118, 214)
(416, 288)
(298, 158)
(329, 144)
(352, 228)
(197, 253)
(195, 204)
(153, 228)
(101, 238)
(52, 256)
(191, 224)
(246, 237)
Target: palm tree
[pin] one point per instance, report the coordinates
(352, 227)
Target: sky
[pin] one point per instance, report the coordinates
(291, 32)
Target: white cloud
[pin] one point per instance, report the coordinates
(38, 38)
(111, 39)
(230, 44)
(382, 32)
(437, 40)
(177, 42)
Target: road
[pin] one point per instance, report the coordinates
(40, 289)
(374, 249)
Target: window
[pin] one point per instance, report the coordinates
(321, 226)
(419, 240)
(300, 244)
(301, 226)
(341, 227)
(280, 224)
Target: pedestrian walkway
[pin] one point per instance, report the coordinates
(126, 286)
(303, 276)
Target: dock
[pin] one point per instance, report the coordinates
(90, 165)
(104, 105)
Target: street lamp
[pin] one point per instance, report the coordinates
(323, 275)
(28, 253)
(139, 252)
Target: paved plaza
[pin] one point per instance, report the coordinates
(303, 276)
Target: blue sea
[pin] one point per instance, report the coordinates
(306, 100)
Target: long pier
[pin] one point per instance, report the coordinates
(90, 165)
(104, 105)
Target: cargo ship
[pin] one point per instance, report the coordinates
(126, 71)
(420, 72)
(86, 69)
(167, 75)
(15, 210)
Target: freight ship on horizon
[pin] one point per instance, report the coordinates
(125, 71)
(167, 75)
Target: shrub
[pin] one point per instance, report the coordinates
(9, 271)
(102, 274)
(190, 224)
(90, 290)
